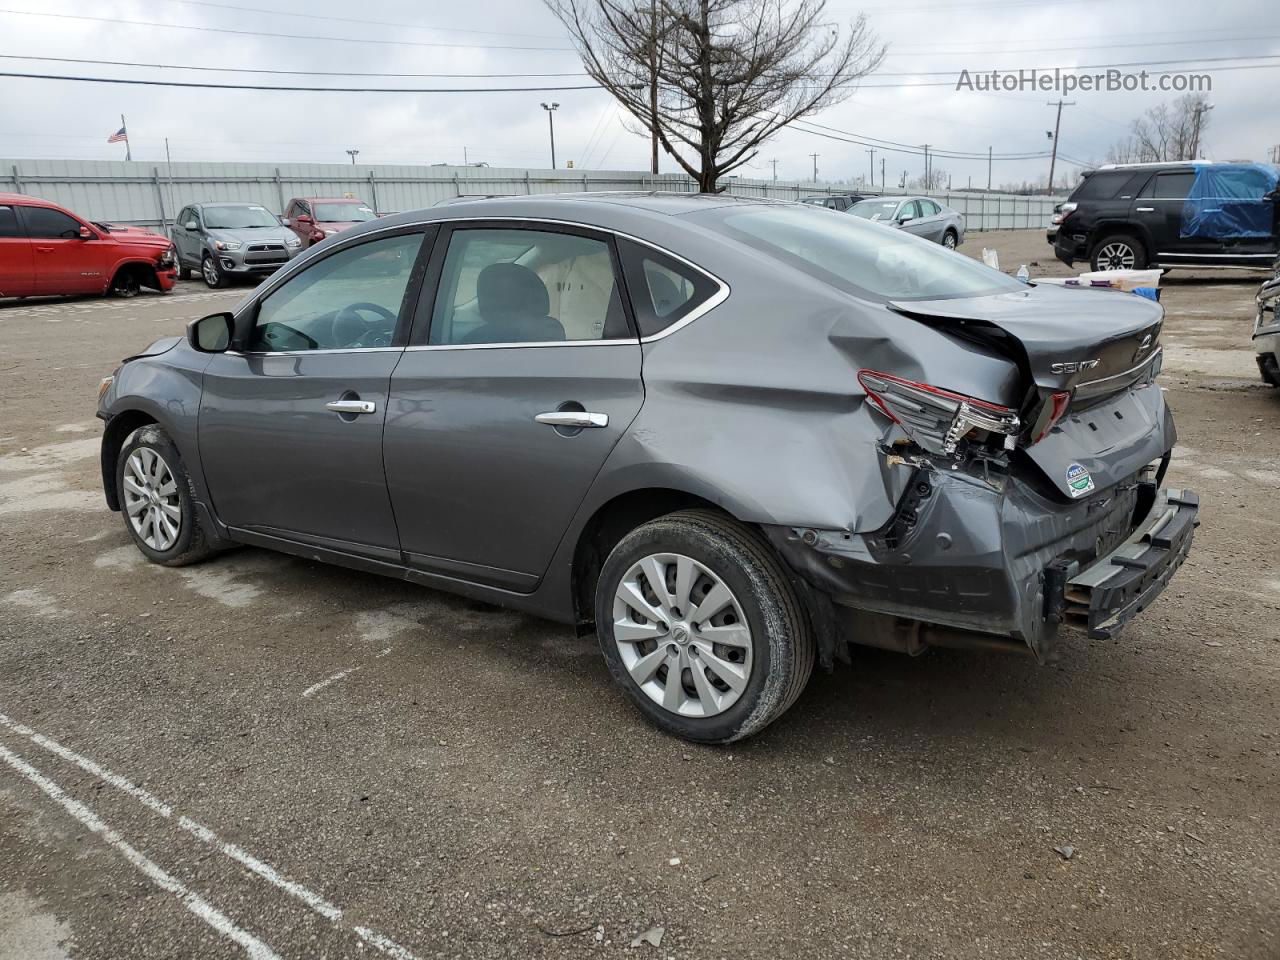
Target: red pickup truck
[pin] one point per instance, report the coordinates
(47, 251)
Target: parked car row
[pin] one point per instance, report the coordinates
(233, 240)
(47, 250)
(728, 437)
(919, 215)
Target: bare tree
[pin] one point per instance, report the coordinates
(714, 79)
(935, 179)
(1165, 132)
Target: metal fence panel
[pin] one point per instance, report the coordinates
(150, 194)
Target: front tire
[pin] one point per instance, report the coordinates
(157, 500)
(702, 627)
(211, 272)
(126, 284)
(1119, 251)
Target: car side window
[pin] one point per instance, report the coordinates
(42, 222)
(526, 286)
(350, 300)
(928, 208)
(1173, 186)
(9, 226)
(663, 290)
(910, 210)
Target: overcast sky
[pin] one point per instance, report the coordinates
(46, 118)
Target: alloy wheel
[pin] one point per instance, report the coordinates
(949, 241)
(151, 499)
(1116, 256)
(210, 271)
(682, 635)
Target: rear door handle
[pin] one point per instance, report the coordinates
(1145, 209)
(573, 418)
(44, 249)
(351, 406)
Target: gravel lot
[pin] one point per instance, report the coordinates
(266, 757)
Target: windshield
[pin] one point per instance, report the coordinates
(344, 212)
(862, 258)
(238, 217)
(875, 209)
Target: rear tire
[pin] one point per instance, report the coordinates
(753, 630)
(1118, 251)
(184, 272)
(950, 239)
(157, 500)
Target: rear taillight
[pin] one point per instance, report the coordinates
(938, 419)
(1055, 408)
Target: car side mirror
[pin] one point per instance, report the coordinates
(191, 225)
(86, 233)
(286, 222)
(211, 334)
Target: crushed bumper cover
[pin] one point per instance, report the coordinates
(994, 557)
(1110, 593)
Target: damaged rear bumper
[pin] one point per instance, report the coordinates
(989, 561)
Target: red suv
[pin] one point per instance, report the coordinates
(314, 218)
(48, 251)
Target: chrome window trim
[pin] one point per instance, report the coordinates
(612, 342)
(310, 353)
(713, 301)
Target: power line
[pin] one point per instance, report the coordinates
(291, 73)
(248, 86)
(360, 20)
(1101, 46)
(282, 36)
(881, 143)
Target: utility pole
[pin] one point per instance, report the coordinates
(927, 179)
(872, 151)
(352, 155)
(988, 169)
(815, 166)
(1057, 124)
(551, 109)
(775, 170)
(653, 87)
(881, 175)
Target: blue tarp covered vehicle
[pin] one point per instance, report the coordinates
(1231, 200)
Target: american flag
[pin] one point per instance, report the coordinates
(118, 136)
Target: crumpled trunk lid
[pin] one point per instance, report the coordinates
(1094, 342)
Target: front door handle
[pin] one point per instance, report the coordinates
(573, 418)
(1145, 209)
(44, 249)
(351, 406)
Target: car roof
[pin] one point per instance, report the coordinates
(15, 198)
(331, 199)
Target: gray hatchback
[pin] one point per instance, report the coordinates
(226, 240)
(729, 437)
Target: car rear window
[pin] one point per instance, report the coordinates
(663, 290)
(862, 257)
(1101, 186)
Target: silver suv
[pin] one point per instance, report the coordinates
(225, 240)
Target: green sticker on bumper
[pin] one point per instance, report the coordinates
(1079, 481)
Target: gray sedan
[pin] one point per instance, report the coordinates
(919, 215)
(727, 436)
(227, 240)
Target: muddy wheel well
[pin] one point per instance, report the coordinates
(143, 273)
(609, 524)
(118, 430)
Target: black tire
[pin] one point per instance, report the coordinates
(1112, 243)
(126, 283)
(184, 272)
(782, 643)
(192, 543)
(211, 273)
(953, 237)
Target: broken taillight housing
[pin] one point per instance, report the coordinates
(938, 419)
(1055, 408)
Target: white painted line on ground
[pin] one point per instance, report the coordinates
(317, 687)
(255, 948)
(264, 870)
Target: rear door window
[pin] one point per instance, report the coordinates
(1173, 186)
(928, 208)
(663, 290)
(9, 226)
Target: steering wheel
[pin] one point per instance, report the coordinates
(353, 330)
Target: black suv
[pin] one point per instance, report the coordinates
(1133, 216)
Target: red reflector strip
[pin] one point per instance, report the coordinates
(1058, 404)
